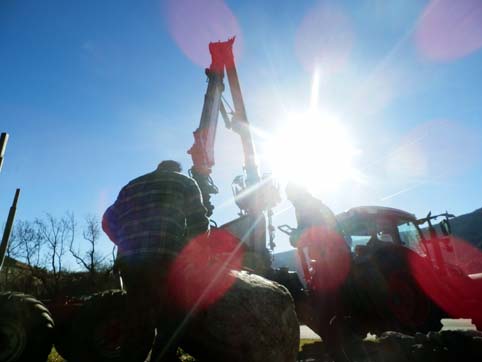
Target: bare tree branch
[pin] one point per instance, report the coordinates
(91, 260)
(56, 233)
(30, 248)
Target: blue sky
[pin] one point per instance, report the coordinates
(95, 93)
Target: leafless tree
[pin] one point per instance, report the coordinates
(43, 244)
(30, 243)
(26, 246)
(12, 252)
(14, 246)
(57, 233)
(91, 260)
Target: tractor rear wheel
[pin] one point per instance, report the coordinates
(98, 330)
(408, 307)
(26, 328)
(412, 310)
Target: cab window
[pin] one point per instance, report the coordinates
(409, 236)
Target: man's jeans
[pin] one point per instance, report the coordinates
(149, 306)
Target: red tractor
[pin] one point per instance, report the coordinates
(377, 272)
(399, 273)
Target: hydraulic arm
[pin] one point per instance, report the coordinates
(254, 196)
(202, 152)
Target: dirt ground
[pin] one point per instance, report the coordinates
(440, 346)
(446, 345)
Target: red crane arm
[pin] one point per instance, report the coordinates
(202, 151)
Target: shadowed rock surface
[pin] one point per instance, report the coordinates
(440, 346)
(254, 321)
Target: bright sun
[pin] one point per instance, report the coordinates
(313, 150)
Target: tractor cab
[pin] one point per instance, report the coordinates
(366, 228)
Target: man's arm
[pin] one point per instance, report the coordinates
(110, 223)
(197, 221)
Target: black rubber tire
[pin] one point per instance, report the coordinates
(63, 340)
(26, 328)
(420, 313)
(409, 308)
(97, 331)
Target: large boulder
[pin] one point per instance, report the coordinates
(255, 320)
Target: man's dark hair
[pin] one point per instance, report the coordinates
(169, 165)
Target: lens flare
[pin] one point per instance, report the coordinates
(201, 274)
(457, 293)
(324, 39)
(193, 24)
(324, 258)
(449, 29)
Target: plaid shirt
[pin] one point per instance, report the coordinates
(156, 213)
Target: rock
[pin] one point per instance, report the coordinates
(420, 337)
(421, 352)
(477, 343)
(397, 338)
(449, 345)
(443, 346)
(434, 338)
(395, 346)
(463, 345)
(462, 333)
(254, 321)
(456, 341)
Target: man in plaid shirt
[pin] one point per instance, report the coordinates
(153, 218)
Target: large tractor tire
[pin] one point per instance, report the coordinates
(412, 310)
(98, 331)
(408, 308)
(26, 329)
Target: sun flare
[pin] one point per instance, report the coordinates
(313, 150)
